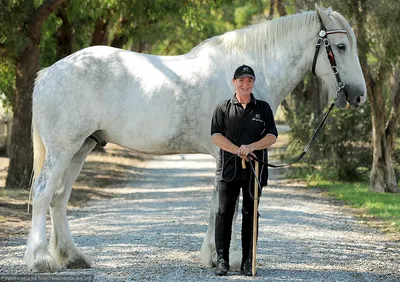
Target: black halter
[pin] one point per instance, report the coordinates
(323, 37)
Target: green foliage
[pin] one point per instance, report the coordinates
(342, 146)
(48, 46)
(384, 34)
(210, 20)
(7, 83)
(244, 15)
(14, 15)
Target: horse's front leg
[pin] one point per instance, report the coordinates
(235, 255)
(208, 252)
(62, 246)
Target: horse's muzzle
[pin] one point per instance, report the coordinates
(350, 98)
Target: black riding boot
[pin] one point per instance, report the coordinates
(223, 228)
(247, 243)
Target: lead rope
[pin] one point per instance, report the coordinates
(306, 149)
(30, 192)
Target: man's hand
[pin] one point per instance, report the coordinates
(244, 151)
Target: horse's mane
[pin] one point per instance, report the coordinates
(271, 38)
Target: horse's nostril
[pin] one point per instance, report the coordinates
(358, 100)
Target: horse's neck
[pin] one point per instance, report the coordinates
(286, 72)
(280, 65)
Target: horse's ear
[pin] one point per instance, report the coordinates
(324, 15)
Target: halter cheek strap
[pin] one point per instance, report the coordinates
(323, 37)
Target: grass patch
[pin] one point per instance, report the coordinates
(381, 206)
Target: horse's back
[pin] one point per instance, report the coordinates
(139, 101)
(112, 71)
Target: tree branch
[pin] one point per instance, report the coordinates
(271, 10)
(281, 8)
(39, 16)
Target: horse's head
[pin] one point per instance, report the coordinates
(346, 81)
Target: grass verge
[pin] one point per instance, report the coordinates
(379, 209)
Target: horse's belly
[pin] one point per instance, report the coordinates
(156, 144)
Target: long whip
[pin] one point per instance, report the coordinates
(255, 220)
(257, 185)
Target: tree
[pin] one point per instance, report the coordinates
(24, 51)
(379, 56)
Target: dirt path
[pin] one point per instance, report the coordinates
(154, 229)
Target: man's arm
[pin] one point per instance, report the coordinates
(224, 143)
(261, 144)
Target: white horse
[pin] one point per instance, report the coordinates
(163, 105)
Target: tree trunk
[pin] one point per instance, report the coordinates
(382, 177)
(20, 168)
(120, 39)
(271, 10)
(19, 171)
(281, 8)
(64, 33)
(100, 33)
(392, 124)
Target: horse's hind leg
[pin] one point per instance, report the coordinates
(208, 252)
(37, 256)
(62, 246)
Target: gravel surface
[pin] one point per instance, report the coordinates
(154, 229)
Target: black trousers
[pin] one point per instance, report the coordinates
(228, 192)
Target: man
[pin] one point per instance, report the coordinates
(242, 126)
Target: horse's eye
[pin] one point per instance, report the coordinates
(341, 47)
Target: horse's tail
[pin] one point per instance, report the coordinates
(39, 150)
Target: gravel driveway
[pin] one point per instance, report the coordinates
(154, 230)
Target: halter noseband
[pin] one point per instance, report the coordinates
(323, 37)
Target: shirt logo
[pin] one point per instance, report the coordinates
(257, 118)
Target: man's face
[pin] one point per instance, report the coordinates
(243, 85)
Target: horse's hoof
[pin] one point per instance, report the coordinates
(43, 263)
(206, 254)
(235, 259)
(78, 262)
(70, 256)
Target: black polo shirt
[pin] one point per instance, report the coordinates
(242, 127)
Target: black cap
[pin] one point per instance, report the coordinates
(244, 71)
